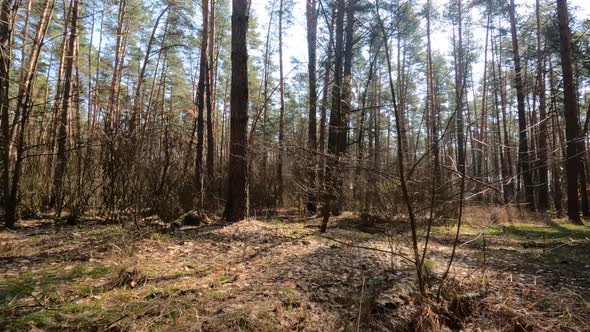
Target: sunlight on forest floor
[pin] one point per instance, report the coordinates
(281, 274)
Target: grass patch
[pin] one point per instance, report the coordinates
(35, 239)
(215, 295)
(289, 299)
(99, 271)
(14, 288)
(551, 231)
(76, 316)
(466, 229)
(46, 283)
(275, 222)
(42, 319)
(160, 236)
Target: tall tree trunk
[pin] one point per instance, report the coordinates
(6, 20)
(509, 181)
(402, 94)
(503, 169)
(542, 168)
(62, 155)
(203, 69)
(111, 158)
(335, 124)
(23, 108)
(556, 146)
(571, 112)
(523, 153)
(52, 133)
(324, 105)
(210, 88)
(432, 104)
(459, 93)
(481, 160)
(312, 21)
(279, 193)
(235, 206)
(346, 100)
(94, 121)
(265, 91)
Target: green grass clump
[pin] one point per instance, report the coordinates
(46, 282)
(42, 319)
(14, 288)
(99, 271)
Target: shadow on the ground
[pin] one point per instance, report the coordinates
(287, 274)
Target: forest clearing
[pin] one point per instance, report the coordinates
(517, 274)
(294, 165)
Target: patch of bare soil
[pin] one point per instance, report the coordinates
(274, 275)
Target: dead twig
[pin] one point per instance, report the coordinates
(404, 257)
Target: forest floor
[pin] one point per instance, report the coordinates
(281, 274)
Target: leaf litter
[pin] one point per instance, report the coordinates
(260, 275)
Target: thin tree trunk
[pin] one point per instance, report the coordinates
(62, 155)
(401, 163)
(210, 88)
(265, 91)
(432, 105)
(137, 102)
(111, 158)
(556, 145)
(203, 68)
(523, 153)
(311, 16)
(279, 193)
(542, 168)
(509, 178)
(481, 160)
(459, 95)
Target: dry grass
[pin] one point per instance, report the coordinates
(275, 275)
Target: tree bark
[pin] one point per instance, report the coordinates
(331, 177)
(203, 68)
(324, 105)
(6, 20)
(311, 16)
(571, 112)
(346, 100)
(235, 207)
